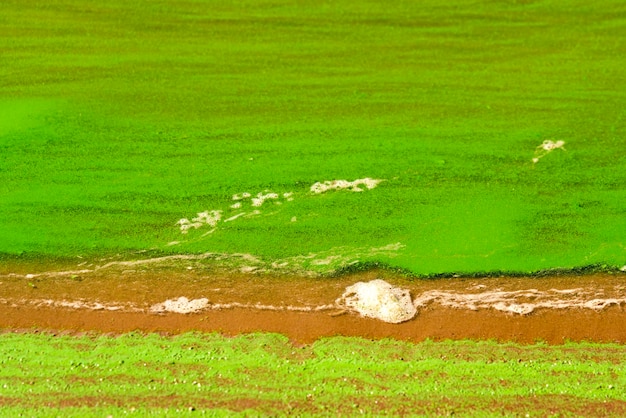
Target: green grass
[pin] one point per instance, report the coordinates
(265, 374)
(119, 118)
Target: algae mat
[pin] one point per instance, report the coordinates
(491, 133)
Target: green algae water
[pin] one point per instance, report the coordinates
(287, 136)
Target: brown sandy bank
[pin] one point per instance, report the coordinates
(553, 309)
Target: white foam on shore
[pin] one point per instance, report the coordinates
(263, 307)
(522, 302)
(181, 305)
(72, 304)
(309, 265)
(129, 264)
(314, 264)
(385, 303)
(379, 300)
(376, 299)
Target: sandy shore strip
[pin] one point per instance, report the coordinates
(553, 309)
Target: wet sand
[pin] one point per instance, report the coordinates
(552, 309)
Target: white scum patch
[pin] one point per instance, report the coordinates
(232, 218)
(375, 299)
(326, 261)
(253, 213)
(232, 258)
(213, 217)
(261, 307)
(51, 274)
(181, 305)
(72, 304)
(210, 218)
(308, 265)
(547, 147)
(599, 304)
(521, 302)
(379, 300)
(261, 198)
(185, 224)
(203, 304)
(520, 309)
(389, 247)
(337, 257)
(353, 186)
(240, 196)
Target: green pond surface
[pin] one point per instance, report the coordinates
(120, 119)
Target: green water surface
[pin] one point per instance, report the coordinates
(118, 119)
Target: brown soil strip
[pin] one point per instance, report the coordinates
(21, 306)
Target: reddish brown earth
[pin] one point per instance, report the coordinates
(252, 303)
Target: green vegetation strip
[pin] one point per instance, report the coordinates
(265, 374)
(118, 119)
